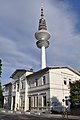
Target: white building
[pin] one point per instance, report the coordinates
(7, 90)
(42, 90)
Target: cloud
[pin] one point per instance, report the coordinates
(18, 24)
(64, 41)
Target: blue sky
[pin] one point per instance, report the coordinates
(18, 24)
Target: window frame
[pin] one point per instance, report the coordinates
(44, 101)
(36, 82)
(65, 81)
(43, 80)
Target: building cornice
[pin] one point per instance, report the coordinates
(19, 70)
(54, 67)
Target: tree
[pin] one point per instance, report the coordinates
(75, 92)
(1, 96)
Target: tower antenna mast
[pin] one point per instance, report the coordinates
(42, 3)
(42, 14)
(42, 36)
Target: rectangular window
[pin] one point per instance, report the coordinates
(37, 100)
(36, 82)
(34, 101)
(44, 80)
(69, 81)
(44, 100)
(29, 84)
(17, 87)
(29, 103)
(14, 85)
(65, 81)
(66, 102)
(22, 85)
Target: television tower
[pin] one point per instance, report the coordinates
(42, 36)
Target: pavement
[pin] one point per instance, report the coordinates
(45, 115)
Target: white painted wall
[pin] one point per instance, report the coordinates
(57, 87)
(19, 77)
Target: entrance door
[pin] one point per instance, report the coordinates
(29, 103)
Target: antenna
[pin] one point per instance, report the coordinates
(42, 14)
(42, 4)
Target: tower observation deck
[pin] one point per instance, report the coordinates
(42, 36)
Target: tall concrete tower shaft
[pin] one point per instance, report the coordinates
(42, 36)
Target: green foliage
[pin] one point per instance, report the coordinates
(75, 92)
(1, 96)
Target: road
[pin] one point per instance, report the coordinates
(5, 116)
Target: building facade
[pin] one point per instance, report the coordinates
(19, 89)
(43, 90)
(7, 93)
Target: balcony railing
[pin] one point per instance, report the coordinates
(37, 88)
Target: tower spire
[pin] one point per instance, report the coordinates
(42, 21)
(42, 35)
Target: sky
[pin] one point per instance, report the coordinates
(18, 23)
